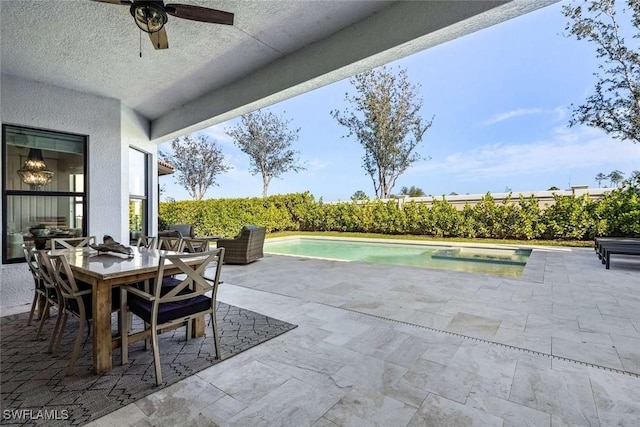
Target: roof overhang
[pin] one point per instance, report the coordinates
(211, 73)
(164, 168)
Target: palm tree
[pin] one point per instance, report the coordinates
(615, 177)
(600, 177)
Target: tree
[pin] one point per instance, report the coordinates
(412, 191)
(385, 119)
(600, 177)
(635, 175)
(197, 162)
(615, 105)
(554, 188)
(615, 177)
(359, 195)
(267, 140)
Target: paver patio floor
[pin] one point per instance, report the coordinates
(401, 346)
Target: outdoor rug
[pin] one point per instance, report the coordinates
(36, 391)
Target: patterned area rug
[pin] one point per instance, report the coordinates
(36, 391)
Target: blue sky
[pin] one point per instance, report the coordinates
(501, 99)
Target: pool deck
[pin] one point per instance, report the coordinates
(400, 346)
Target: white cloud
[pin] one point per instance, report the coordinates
(561, 113)
(565, 149)
(218, 133)
(315, 165)
(513, 113)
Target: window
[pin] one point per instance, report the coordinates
(43, 188)
(138, 192)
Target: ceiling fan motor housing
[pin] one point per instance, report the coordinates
(152, 15)
(149, 16)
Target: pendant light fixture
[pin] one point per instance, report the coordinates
(35, 172)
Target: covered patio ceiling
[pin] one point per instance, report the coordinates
(211, 73)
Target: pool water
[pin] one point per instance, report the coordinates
(488, 260)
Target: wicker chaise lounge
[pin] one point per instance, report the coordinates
(246, 247)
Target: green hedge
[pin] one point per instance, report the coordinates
(225, 217)
(570, 218)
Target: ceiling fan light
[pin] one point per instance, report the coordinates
(150, 17)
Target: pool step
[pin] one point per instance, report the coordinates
(460, 256)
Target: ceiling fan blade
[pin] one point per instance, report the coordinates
(159, 39)
(123, 2)
(197, 13)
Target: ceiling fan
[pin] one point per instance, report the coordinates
(151, 15)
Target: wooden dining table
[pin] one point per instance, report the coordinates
(104, 271)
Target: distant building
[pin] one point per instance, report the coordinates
(545, 198)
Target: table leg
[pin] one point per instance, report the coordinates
(198, 327)
(101, 328)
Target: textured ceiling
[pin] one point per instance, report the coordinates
(275, 49)
(94, 47)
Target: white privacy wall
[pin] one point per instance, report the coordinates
(34, 104)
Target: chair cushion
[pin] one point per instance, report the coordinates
(185, 230)
(169, 282)
(168, 233)
(168, 311)
(87, 299)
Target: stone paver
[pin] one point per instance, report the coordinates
(387, 345)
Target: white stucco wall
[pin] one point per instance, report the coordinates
(111, 130)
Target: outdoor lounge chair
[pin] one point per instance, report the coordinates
(184, 230)
(600, 241)
(246, 247)
(617, 248)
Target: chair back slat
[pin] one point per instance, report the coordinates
(195, 245)
(60, 271)
(32, 262)
(47, 270)
(73, 242)
(148, 242)
(175, 244)
(193, 267)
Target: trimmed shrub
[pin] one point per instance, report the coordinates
(574, 218)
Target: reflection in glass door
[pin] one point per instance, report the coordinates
(138, 194)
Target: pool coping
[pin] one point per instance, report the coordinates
(420, 242)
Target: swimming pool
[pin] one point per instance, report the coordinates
(475, 259)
